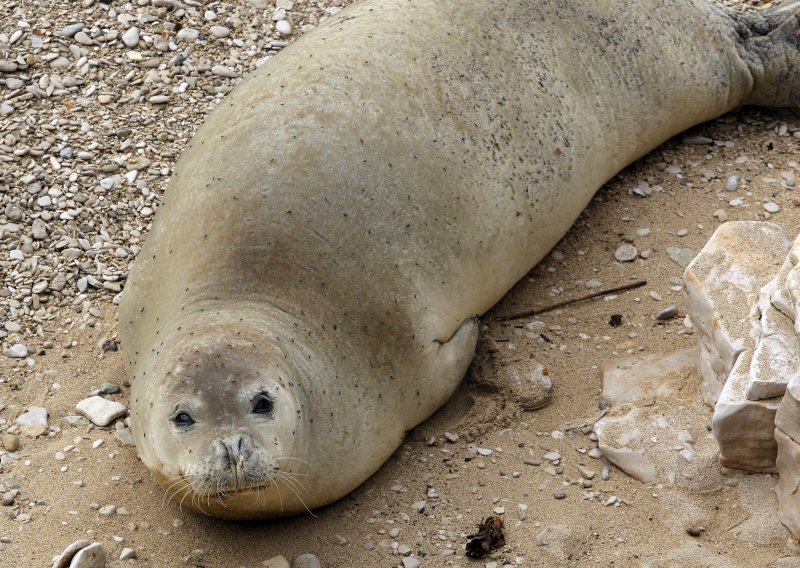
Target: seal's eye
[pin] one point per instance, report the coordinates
(183, 419)
(262, 404)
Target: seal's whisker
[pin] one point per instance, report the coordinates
(296, 495)
(293, 481)
(293, 458)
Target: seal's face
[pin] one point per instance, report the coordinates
(221, 428)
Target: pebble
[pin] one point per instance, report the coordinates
(771, 207)
(16, 351)
(682, 232)
(70, 30)
(35, 416)
(411, 562)
(276, 562)
(586, 472)
(595, 453)
(732, 183)
(559, 494)
(10, 442)
(131, 37)
(667, 313)
(283, 27)
(128, 553)
(306, 561)
(626, 253)
(220, 31)
(552, 456)
(100, 411)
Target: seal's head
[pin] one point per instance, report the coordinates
(219, 427)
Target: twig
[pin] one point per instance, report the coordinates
(527, 313)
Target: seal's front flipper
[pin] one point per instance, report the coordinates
(449, 359)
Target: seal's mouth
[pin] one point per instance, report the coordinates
(228, 493)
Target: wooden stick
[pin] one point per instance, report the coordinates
(527, 313)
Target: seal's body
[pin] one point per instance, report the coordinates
(309, 288)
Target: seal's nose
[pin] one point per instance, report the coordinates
(235, 449)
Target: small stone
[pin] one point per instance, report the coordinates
(559, 494)
(93, 556)
(626, 253)
(220, 31)
(681, 256)
(667, 313)
(64, 559)
(411, 562)
(276, 562)
(595, 453)
(70, 30)
(682, 232)
(695, 531)
(36, 416)
(12, 327)
(100, 411)
(223, 71)
(6, 109)
(450, 437)
(128, 553)
(10, 442)
(732, 183)
(16, 351)
(552, 456)
(83, 38)
(283, 27)
(131, 37)
(158, 99)
(419, 506)
(108, 388)
(771, 207)
(306, 561)
(107, 510)
(586, 472)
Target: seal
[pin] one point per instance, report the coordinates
(309, 289)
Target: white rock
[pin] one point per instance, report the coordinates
(777, 353)
(644, 376)
(16, 351)
(771, 207)
(788, 465)
(283, 27)
(744, 428)
(131, 37)
(220, 31)
(128, 553)
(99, 410)
(93, 556)
(722, 283)
(732, 183)
(35, 416)
(626, 253)
(63, 560)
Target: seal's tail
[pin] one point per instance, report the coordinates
(771, 45)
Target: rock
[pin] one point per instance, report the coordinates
(411, 562)
(128, 553)
(131, 37)
(283, 27)
(70, 30)
(220, 31)
(100, 411)
(10, 442)
(35, 416)
(306, 561)
(744, 428)
(276, 562)
(644, 376)
(722, 283)
(626, 253)
(558, 541)
(83, 38)
(633, 462)
(681, 256)
(532, 390)
(667, 313)
(771, 207)
(777, 353)
(731, 183)
(93, 556)
(788, 466)
(64, 559)
(16, 351)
